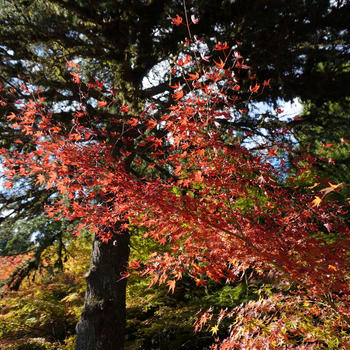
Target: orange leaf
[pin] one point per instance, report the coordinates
(11, 116)
(180, 62)
(151, 124)
(124, 108)
(102, 103)
(8, 184)
(220, 64)
(171, 285)
(198, 177)
(78, 114)
(200, 282)
(177, 20)
(178, 94)
(193, 76)
(272, 152)
(41, 179)
(332, 268)
(177, 86)
(220, 46)
(76, 77)
(133, 122)
(134, 264)
(327, 145)
(254, 88)
(188, 59)
(236, 87)
(71, 64)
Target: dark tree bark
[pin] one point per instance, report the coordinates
(102, 323)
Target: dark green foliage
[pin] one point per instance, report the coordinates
(325, 132)
(120, 42)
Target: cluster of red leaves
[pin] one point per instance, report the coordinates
(9, 264)
(219, 203)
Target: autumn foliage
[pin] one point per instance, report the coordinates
(8, 264)
(183, 175)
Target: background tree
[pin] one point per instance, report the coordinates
(329, 142)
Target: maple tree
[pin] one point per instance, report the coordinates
(293, 56)
(185, 177)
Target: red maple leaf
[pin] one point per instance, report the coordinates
(254, 88)
(124, 108)
(102, 103)
(193, 76)
(220, 46)
(76, 77)
(178, 95)
(133, 122)
(220, 64)
(171, 284)
(177, 20)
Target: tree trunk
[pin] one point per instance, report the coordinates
(102, 322)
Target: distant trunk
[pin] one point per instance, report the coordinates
(102, 322)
